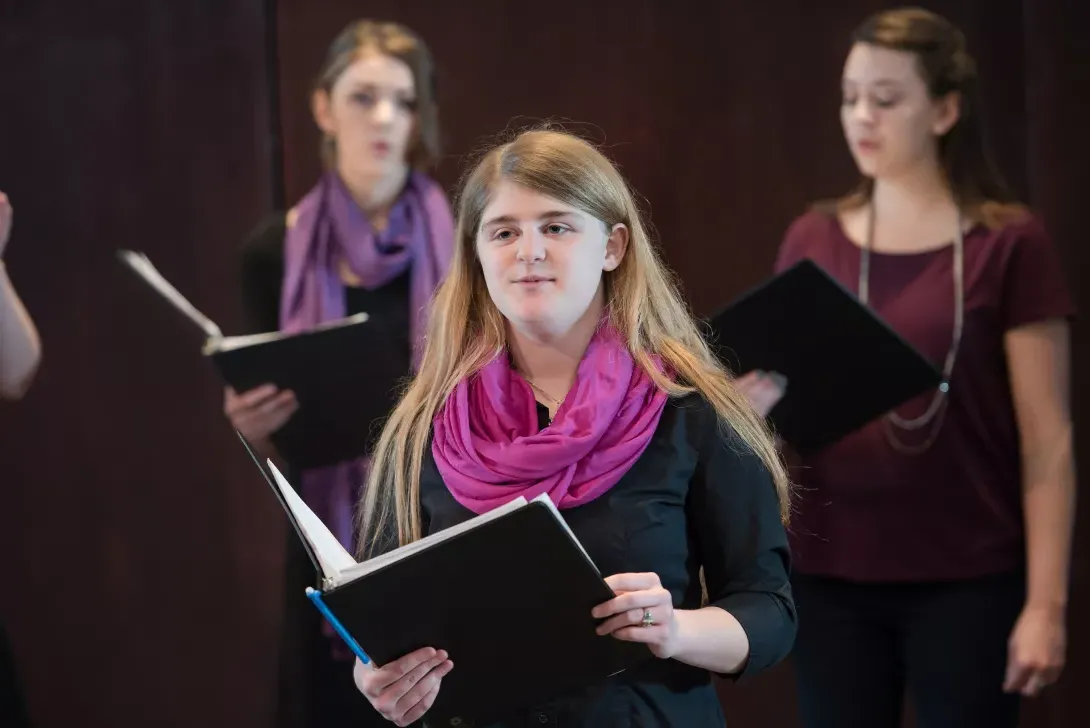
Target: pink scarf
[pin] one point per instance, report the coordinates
(489, 450)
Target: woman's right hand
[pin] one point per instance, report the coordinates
(763, 389)
(260, 412)
(403, 690)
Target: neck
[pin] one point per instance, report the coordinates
(919, 192)
(550, 360)
(374, 193)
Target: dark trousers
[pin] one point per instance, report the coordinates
(860, 647)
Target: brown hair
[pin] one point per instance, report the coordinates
(396, 41)
(944, 63)
(465, 329)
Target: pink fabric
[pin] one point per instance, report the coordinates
(489, 450)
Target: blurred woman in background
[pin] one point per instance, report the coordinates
(374, 235)
(932, 546)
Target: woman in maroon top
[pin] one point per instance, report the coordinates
(932, 546)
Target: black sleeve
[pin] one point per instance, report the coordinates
(743, 544)
(261, 273)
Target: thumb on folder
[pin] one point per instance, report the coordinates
(763, 389)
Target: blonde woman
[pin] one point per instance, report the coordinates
(561, 360)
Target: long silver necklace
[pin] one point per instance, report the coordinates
(936, 411)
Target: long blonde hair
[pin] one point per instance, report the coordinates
(466, 331)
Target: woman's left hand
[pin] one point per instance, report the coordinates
(1036, 651)
(639, 595)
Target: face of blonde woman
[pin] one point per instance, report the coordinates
(543, 259)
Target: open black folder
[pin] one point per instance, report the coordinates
(507, 594)
(342, 374)
(844, 365)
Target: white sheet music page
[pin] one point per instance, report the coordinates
(332, 556)
(143, 267)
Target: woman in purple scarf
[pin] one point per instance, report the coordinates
(374, 234)
(560, 359)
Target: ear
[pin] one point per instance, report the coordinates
(947, 113)
(616, 245)
(320, 106)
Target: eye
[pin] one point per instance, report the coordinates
(885, 102)
(503, 235)
(556, 228)
(407, 103)
(364, 99)
(848, 100)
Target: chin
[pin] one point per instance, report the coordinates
(868, 167)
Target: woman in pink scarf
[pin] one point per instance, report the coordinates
(561, 360)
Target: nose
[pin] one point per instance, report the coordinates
(863, 112)
(531, 247)
(384, 111)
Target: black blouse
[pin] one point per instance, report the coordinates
(695, 498)
(262, 277)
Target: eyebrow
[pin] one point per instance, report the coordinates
(370, 86)
(511, 219)
(879, 82)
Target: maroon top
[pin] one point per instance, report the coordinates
(868, 512)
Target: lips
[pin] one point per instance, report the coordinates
(534, 279)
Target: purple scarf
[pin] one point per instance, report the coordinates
(330, 229)
(489, 450)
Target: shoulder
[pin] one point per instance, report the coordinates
(264, 245)
(1014, 233)
(709, 435)
(1021, 226)
(819, 220)
(432, 193)
(813, 229)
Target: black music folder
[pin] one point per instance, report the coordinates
(343, 375)
(508, 594)
(845, 366)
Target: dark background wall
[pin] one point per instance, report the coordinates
(140, 557)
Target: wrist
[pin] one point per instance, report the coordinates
(681, 634)
(1052, 606)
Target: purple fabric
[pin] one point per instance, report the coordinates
(489, 450)
(331, 229)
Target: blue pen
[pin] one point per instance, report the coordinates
(316, 597)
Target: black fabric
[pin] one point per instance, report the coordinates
(862, 647)
(695, 498)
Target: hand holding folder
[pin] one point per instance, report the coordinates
(471, 590)
(764, 390)
(404, 690)
(845, 365)
(340, 374)
(260, 412)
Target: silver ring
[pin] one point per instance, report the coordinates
(648, 620)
